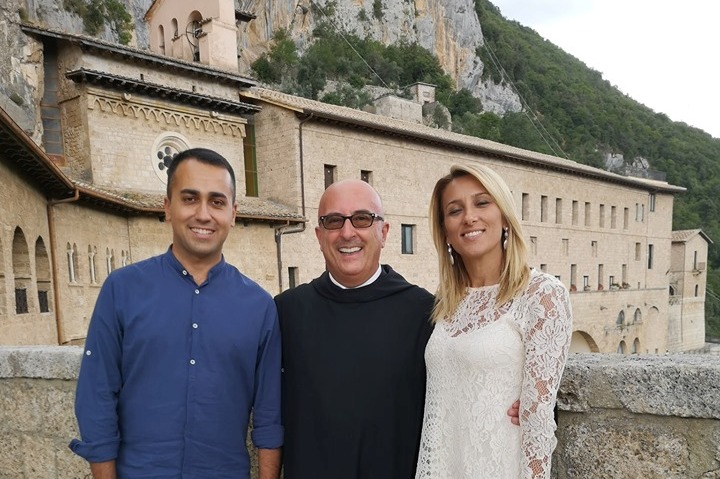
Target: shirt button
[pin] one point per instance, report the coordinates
(184, 273)
(195, 325)
(192, 361)
(88, 352)
(197, 291)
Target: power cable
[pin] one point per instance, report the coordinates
(504, 76)
(351, 45)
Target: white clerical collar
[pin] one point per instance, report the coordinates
(370, 280)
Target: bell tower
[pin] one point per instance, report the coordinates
(203, 32)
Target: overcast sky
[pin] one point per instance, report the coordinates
(664, 54)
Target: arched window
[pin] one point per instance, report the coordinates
(108, 263)
(71, 264)
(672, 290)
(638, 316)
(42, 275)
(635, 347)
(161, 39)
(21, 271)
(76, 262)
(192, 34)
(91, 264)
(620, 319)
(3, 291)
(621, 347)
(174, 24)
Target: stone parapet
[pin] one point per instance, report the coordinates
(618, 416)
(40, 362)
(639, 417)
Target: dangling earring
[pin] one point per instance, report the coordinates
(505, 237)
(452, 258)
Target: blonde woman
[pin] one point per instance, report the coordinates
(502, 331)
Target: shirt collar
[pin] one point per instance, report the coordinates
(177, 266)
(370, 280)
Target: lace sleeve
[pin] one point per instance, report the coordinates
(547, 330)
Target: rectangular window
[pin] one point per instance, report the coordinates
(408, 239)
(613, 217)
(586, 281)
(293, 276)
(543, 208)
(650, 256)
(573, 276)
(575, 213)
(602, 216)
(566, 246)
(525, 206)
(611, 280)
(330, 172)
(587, 213)
(366, 176)
(21, 303)
(651, 202)
(601, 273)
(593, 249)
(558, 211)
(624, 276)
(638, 251)
(52, 138)
(249, 152)
(543, 268)
(533, 244)
(626, 218)
(43, 300)
(639, 212)
(695, 263)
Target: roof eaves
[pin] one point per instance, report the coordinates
(496, 149)
(36, 164)
(128, 84)
(129, 206)
(142, 55)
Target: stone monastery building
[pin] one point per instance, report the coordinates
(86, 196)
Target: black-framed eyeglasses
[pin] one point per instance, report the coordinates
(358, 220)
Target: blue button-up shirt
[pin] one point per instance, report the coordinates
(171, 372)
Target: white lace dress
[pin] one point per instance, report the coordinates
(480, 361)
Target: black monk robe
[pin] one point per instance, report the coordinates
(353, 378)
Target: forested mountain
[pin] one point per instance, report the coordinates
(570, 111)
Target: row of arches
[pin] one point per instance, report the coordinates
(634, 348)
(27, 279)
(582, 342)
(75, 270)
(637, 318)
(191, 30)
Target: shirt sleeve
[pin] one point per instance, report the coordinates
(547, 332)
(99, 383)
(267, 430)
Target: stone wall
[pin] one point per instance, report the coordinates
(619, 416)
(639, 417)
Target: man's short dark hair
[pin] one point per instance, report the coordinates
(203, 155)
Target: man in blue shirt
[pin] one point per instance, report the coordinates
(181, 349)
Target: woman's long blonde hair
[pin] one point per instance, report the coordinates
(454, 280)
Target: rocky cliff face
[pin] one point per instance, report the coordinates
(448, 28)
